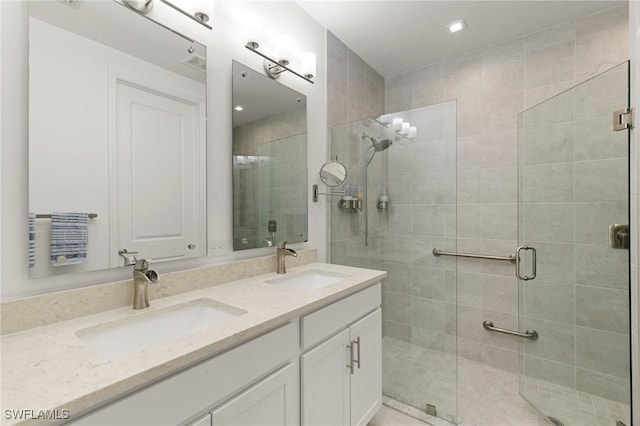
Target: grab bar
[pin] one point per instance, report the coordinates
(528, 334)
(438, 252)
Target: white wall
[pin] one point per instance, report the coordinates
(224, 44)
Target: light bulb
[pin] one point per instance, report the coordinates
(308, 64)
(252, 31)
(412, 132)
(457, 26)
(283, 49)
(405, 128)
(397, 124)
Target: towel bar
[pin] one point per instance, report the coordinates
(48, 216)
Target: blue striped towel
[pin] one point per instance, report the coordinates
(69, 238)
(32, 240)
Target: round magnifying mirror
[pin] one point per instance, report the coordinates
(333, 173)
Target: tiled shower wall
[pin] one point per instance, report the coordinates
(355, 91)
(492, 86)
(266, 153)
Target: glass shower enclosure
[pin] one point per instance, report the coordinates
(573, 202)
(573, 260)
(408, 209)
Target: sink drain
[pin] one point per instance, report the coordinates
(553, 421)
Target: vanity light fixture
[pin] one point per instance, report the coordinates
(283, 48)
(200, 10)
(401, 128)
(308, 64)
(252, 30)
(460, 25)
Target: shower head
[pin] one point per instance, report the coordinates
(376, 146)
(381, 145)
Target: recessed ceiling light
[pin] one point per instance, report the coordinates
(454, 27)
(239, 108)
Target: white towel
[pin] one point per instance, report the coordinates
(32, 240)
(69, 238)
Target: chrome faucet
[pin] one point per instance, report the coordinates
(142, 276)
(281, 254)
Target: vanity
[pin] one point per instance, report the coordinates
(301, 348)
(226, 344)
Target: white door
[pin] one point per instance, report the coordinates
(271, 402)
(325, 383)
(158, 202)
(366, 381)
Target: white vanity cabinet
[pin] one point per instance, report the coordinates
(321, 369)
(266, 365)
(341, 377)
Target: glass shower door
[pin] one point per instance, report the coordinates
(417, 177)
(573, 206)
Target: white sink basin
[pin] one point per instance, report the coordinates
(119, 339)
(308, 280)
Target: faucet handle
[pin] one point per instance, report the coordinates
(141, 265)
(129, 256)
(283, 244)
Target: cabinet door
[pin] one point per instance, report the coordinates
(271, 402)
(325, 383)
(366, 381)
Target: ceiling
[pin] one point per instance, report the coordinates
(398, 36)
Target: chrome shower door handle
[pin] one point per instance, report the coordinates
(533, 263)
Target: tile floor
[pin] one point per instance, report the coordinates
(487, 396)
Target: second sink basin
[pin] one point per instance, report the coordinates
(119, 339)
(308, 280)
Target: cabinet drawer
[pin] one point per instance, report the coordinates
(192, 391)
(325, 322)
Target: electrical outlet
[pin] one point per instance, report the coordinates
(217, 245)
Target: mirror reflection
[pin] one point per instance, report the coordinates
(117, 137)
(269, 161)
(333, 173)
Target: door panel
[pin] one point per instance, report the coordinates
(272, 402)
(325, 383)
(157, 194)
(366, 381)
(572, 185)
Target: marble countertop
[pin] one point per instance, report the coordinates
(49, 367)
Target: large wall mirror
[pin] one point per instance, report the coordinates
(117, 139)
(269, 161)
